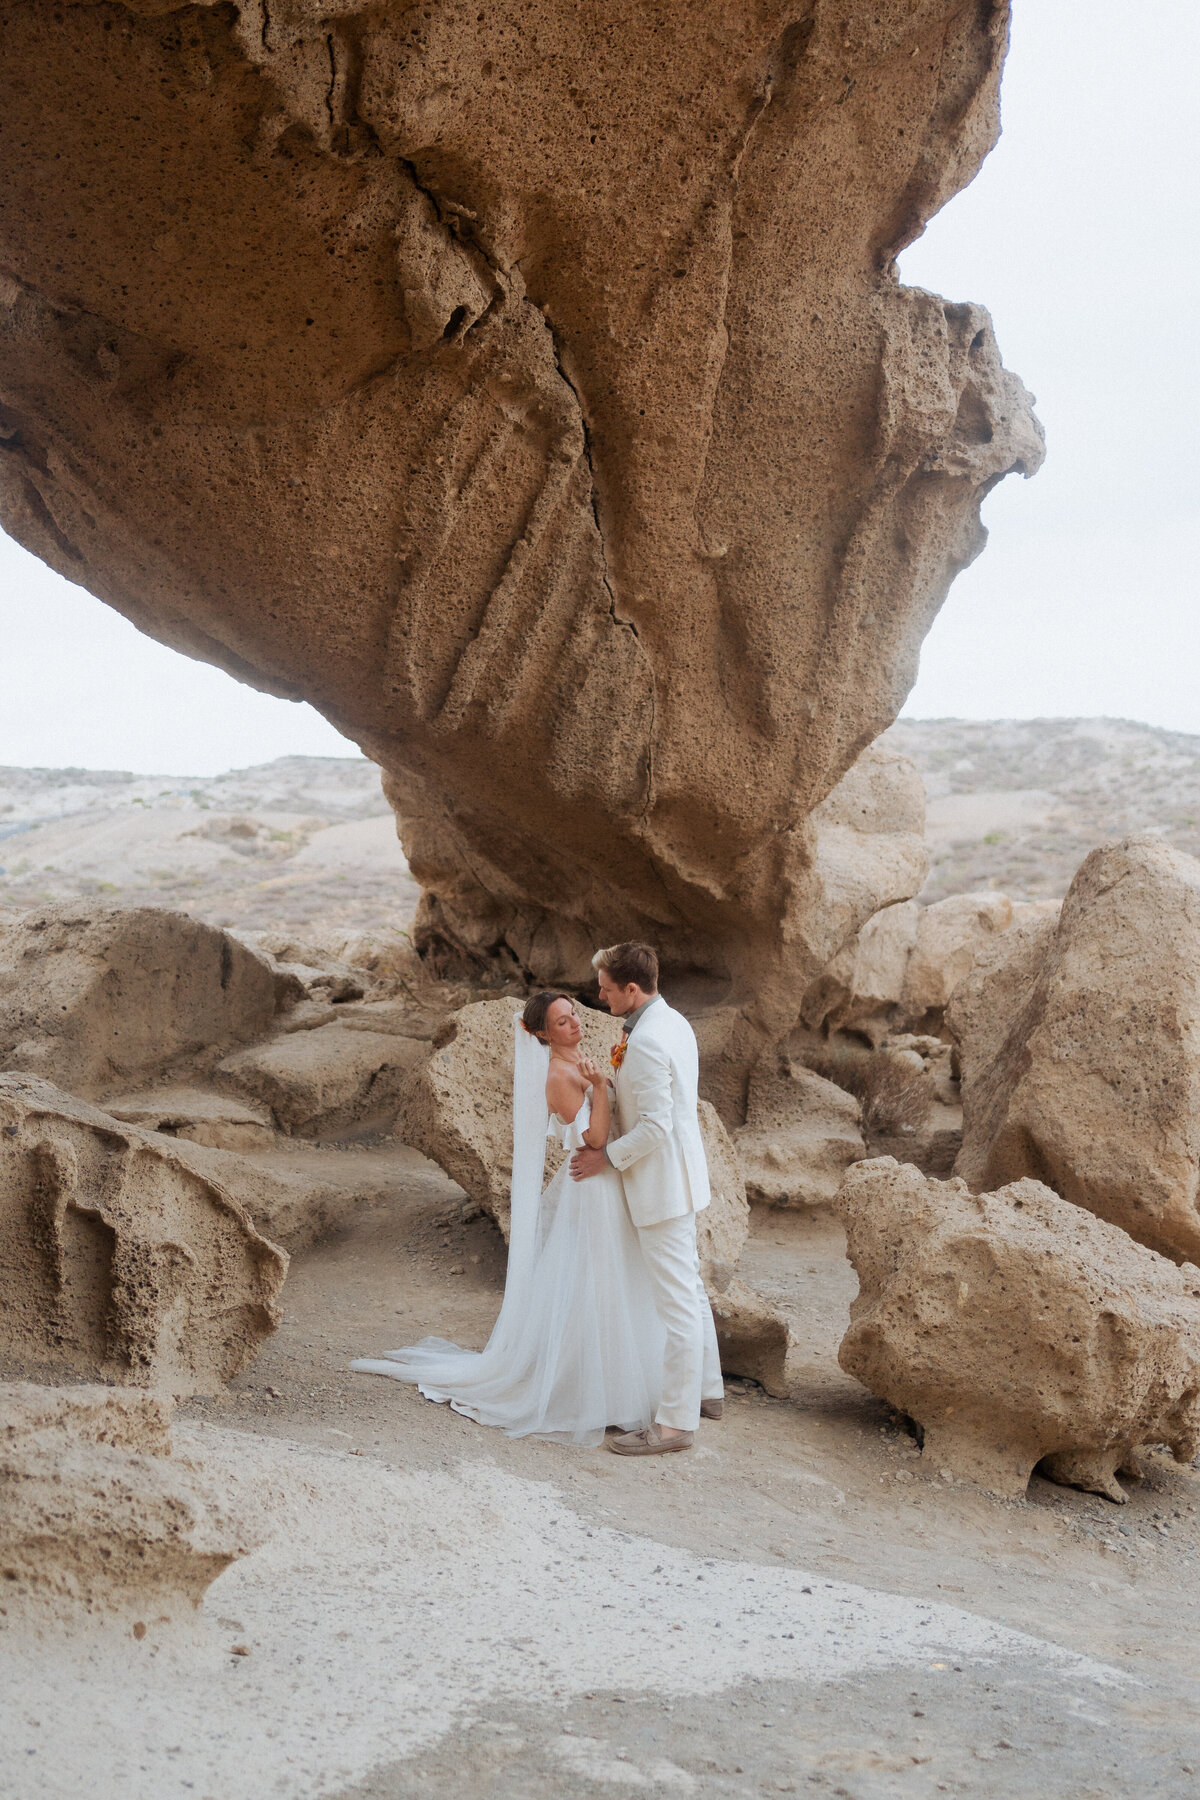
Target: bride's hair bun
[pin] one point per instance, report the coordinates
(537, 1006)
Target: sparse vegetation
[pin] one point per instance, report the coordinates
(892, 1093)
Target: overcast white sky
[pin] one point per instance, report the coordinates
(1081, 235)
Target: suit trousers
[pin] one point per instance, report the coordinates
(691, 1362)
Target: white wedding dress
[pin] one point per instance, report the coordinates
(578, 1345)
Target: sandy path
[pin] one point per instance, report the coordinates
(443, 1612)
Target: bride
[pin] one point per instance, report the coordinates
(578, 1345)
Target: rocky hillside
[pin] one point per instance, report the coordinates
(273, 848)
(1017, 804)
(1013, 804)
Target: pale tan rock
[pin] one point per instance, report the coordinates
(298, 1193)
(1081, 1061)
(197, 1116)
(325, 1082)
(535, 394)
(97, 998)
(754, 1337)
(987, 1019)
(801, 1135)
(724, 1225)
(95, 1512)
(1017, 1329)
(901, 970)
(119, 1261)
(951, 934)
(863, 986)
(865, 850)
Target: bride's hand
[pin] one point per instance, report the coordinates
(592, 1073)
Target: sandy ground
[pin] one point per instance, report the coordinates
(795, 1606)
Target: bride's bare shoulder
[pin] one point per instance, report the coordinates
(564, 1093)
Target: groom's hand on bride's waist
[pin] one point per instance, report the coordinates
(588, 1162)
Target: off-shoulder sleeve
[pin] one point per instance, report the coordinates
(571, 1136)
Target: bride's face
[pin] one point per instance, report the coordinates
(563, 1030)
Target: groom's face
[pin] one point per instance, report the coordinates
(619, 1000)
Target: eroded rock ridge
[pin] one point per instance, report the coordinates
(532, 391)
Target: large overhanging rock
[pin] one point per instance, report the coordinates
(119, 1260)
(1080, 1049)
(95, 1512)
(1017, 1329)
(532, 391)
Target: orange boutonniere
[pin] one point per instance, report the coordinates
(617, 1054)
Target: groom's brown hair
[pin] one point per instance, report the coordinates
(627, 963)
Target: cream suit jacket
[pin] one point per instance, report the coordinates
(660, 1152)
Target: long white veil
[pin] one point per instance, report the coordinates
(531, 1117)
(435, 1363)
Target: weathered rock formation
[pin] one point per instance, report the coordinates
(1081, 1050)
(801, 1135)
(532, 391)
(95, 1512)
(192, 1116)
(323, 1082)
(903, 968)
(97, 998)
(1018, 1330)
(120, 1261)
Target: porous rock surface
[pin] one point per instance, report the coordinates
(95, 1512)
(121, 1261)
(322, 1082)
(801, 1135)
(97, 998)
(532, 391)
(1080, 1049)
(193, 1116)
(904, 967)
(1017, 1329)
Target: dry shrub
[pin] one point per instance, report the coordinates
(893, 1095)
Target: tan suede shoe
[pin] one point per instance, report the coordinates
(712, 1409)
(648, 1442)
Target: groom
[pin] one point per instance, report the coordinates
(660, 1154)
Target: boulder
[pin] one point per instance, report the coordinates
(327, 1081)
(1080, 1051)
(197, 1117)
(901, 970)
(864, 850)
(297, 1192)
(1018, 1330)
(98, 998)
(754, 1337)
(723, 1227)
(862, 988)
(120, 1261)
(532, 390)
(802, 1134)
(95, 1512)
(951, 935)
